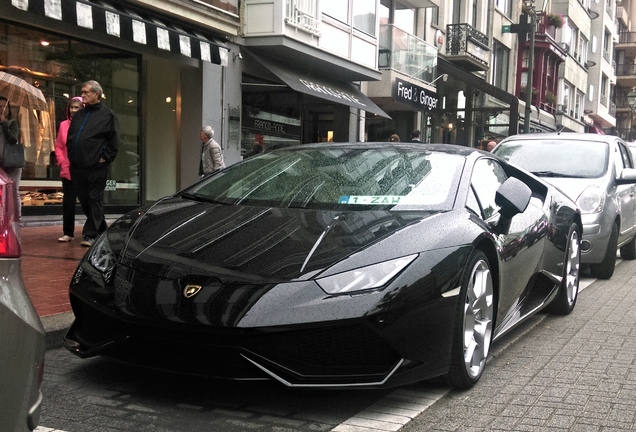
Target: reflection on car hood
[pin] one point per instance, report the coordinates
(177, 237)
(572, 187)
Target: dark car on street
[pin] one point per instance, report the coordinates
(595, 171)
(331, 265)
(22, 343)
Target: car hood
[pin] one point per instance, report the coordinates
(572, 187)
(179, 237)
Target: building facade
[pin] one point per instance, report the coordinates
(269, 73)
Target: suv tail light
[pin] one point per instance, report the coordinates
(9, 219)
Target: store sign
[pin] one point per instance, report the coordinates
(269, 127)
(348, 98)
(415, 96)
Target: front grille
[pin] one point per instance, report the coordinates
(337, 350)
(313, 354)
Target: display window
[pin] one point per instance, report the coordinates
(58, 66)
(271, 119)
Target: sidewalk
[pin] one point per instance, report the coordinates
(47, 268)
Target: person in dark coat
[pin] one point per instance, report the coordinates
(415, 136)
(92, 144)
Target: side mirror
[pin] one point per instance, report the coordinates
(626, 176)
(513, 197)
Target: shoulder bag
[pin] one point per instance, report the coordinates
(13, 156)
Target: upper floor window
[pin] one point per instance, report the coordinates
(433, 13)
(500, 65)
(582, 50)
(359, 13)
(337, 9)
(607, 43)
(504, 6)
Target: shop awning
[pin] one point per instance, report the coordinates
(321, 87)
(119, 21)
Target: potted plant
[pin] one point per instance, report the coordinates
(550, 97)
(522, 92)
(555, 20)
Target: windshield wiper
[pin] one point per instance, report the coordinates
(201, 198)
(553, 174)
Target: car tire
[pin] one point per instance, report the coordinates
(565, 299)
(605, 269)
(474, 322)
(628, 251)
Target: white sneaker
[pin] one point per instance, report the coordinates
(65, 238)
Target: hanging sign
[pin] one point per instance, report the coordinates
(415, 96)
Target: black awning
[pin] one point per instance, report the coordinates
(116, 20)
(334, 91)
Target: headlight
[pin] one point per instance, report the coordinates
(373, 276)
(591, 200)
(102, 258)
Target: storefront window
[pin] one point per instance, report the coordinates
(58, 66)
(270, 120)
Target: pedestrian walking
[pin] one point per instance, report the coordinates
(394, 138)
(211, 152)
(93, 141)
(61, 154)
(9, 135)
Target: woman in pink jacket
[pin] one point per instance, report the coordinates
(61, 153)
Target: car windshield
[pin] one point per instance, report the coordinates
(338, 178)
(557, 158)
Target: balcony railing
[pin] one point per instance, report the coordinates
(465, 40)
(625, 69)
(627, 37)
(405, 53)
(301, 14)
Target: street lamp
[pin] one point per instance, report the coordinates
(631, 100)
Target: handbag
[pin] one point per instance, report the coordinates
(13, 156)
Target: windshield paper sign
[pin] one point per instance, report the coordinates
(370, 199)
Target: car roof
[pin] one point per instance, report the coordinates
(446, 148)
(555, 136)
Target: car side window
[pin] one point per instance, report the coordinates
(625, 156)
(488, 175)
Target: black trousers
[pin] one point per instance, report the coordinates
(89, 185)
(68, 207)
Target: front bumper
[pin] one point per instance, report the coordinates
(596, 234)
(329, 355)
(290, 332)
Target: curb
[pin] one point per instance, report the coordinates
(55, 327)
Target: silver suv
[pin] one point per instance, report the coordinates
(597, 172)
(22, 340)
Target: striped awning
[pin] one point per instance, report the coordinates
(119, 21)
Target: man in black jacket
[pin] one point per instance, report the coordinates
(92, 143)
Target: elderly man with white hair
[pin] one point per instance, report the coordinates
(212, 154)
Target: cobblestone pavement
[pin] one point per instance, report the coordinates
(573, 373)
